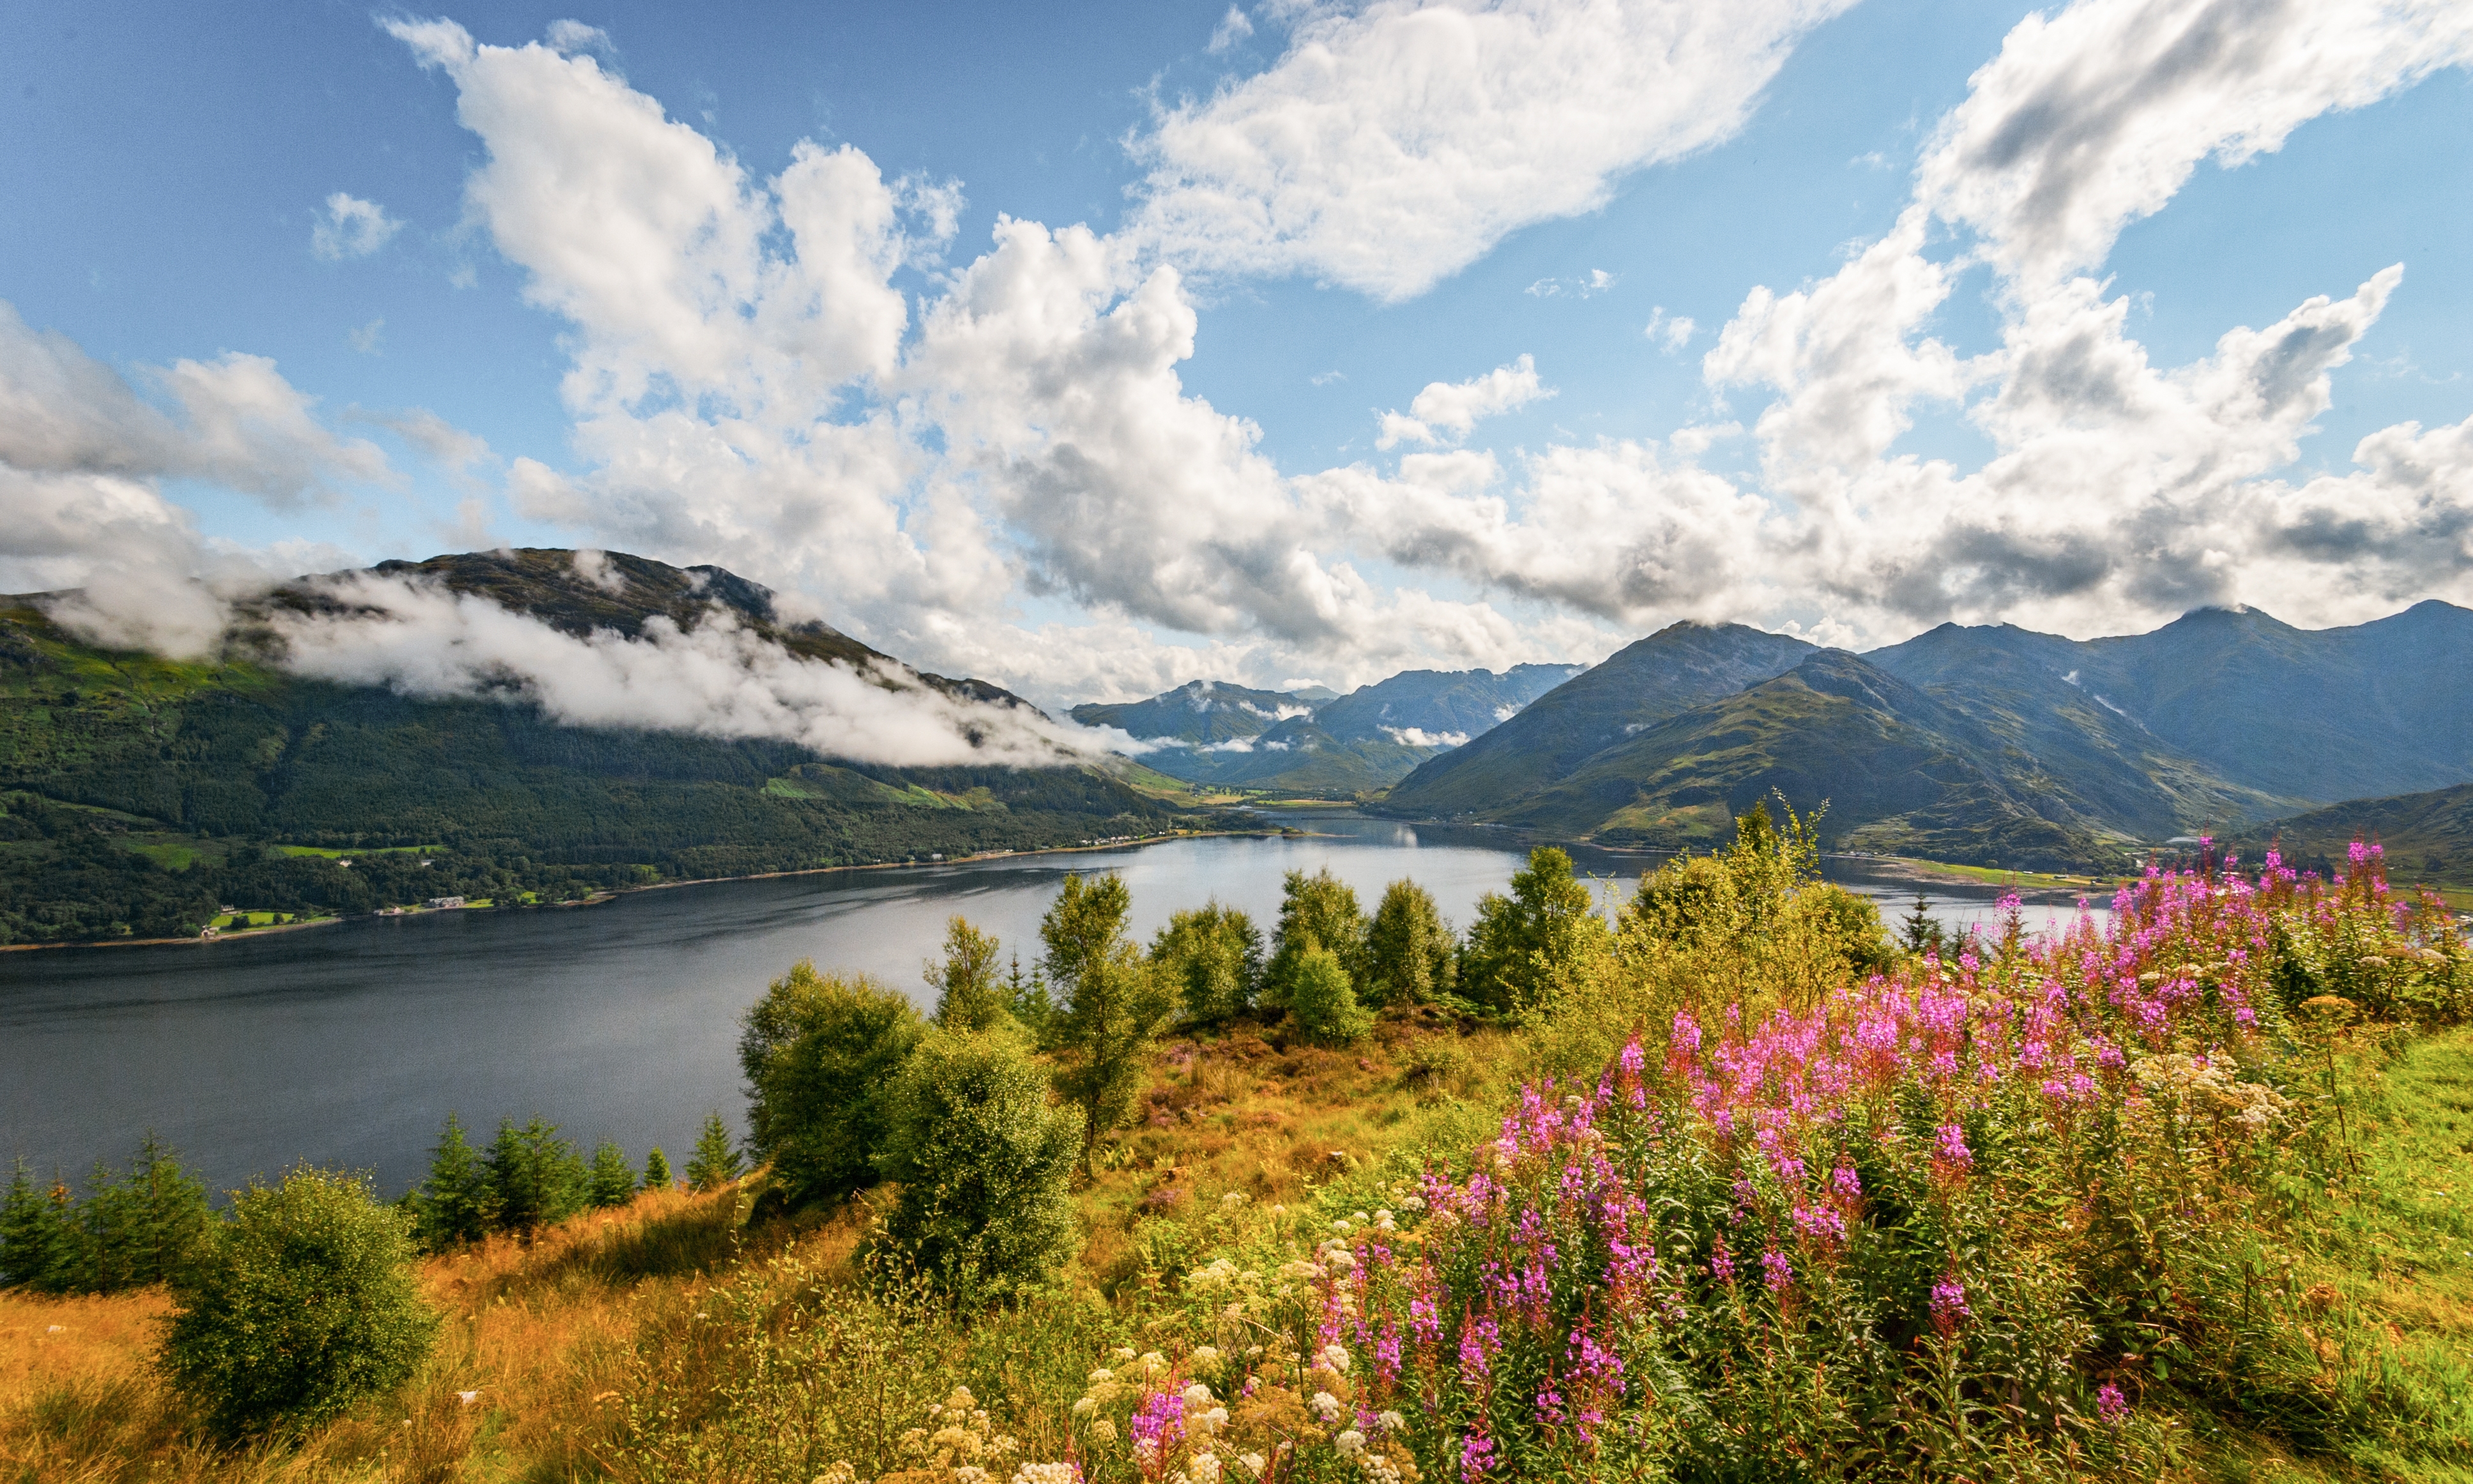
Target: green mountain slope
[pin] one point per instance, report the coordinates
(127, 766)
(2428, 837)
(1670, 672)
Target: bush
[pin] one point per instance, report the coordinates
(1314, 910)
(819, 1051)
(300, 1305)
(1212, 958)
(1411, 956)
(1322, 1000)
(985, 1165)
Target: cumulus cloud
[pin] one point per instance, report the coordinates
(351, 227)
(1449, 410)
(716, 679)
(1392, 144)
(83, 458)
(1418, 736)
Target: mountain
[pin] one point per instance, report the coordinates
(1668, 673)
(2427, 836)
(1313, 742)
(139, 791)
(1991, 744)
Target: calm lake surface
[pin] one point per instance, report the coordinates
(348, 1044)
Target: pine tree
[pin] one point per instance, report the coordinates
(170, 1217)
(715, 1163)
(535, 1177)
(657, 1170)
(455, 1200)
(1921, 930)
(37, 1246)
(614, 1178)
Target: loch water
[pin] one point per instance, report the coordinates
(347, 1044)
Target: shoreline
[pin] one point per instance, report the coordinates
(600, 899)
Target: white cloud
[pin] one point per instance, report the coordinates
(351, 227)
(1394, 143)
(716, 679)
(1233, 27)
(1452, 409)
(1673, 332)
(570, 36)
(1595, 281)
(1418, 736)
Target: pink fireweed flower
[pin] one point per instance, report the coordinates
(1631, 1057)
(1950, 1145)
(2110, 1404)
(1721, 1262)
(1845, 1181)
(1779, 1272)
(1949, 1304)
(1477, 1457)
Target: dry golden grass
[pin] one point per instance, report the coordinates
(539, 1335)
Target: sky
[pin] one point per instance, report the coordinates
(1095, 348)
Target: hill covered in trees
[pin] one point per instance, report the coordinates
(138, 794)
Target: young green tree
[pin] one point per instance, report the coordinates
(657, 1170)
(1323, 1001)
(1111, 1004)
(1411, 954)
(969, 993)
(716, 1161)
(535, 1177)
(611, 1178)
(1212, 958)
(38, 1235)
(454, 1202)
(303, 1304)
(819, 1050)
(160, 1219)
(984, 1163)
(1519, 944)
(1920, 931)
(1318, 909)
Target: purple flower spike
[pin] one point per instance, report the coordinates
(2110, 1404)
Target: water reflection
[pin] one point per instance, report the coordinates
(348, 1044)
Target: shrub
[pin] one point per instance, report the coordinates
(1212, 957)
(303, 1303)
(984, 1163)
(1322, 1000)
(818, 1051)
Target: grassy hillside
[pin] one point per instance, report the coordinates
(138, 794)
(2427, 837)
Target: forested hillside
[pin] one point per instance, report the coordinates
(141, 793)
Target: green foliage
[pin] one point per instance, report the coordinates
(141, 1226)
(970, 995)
(1111, 1004)
(716, 1161)
(1521, 945)
(1920, 932)
(535, 1178)
(1318, 909)
(303, 1303)
(818, 1051)
(984, 1164)
(657, 1170)
(1323, 1003)
(1212, 957)
(1413, 957)
(611, 1180)
(38, 1234)
(454, 1202)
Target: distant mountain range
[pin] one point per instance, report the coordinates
(1984, 744)
(1313, 742)
(2428, 837)
(137, 792)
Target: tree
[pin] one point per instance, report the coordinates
(611, 1178)
(303, 1304)
(1111, 1004)
(1314, 909)
(716, 1161)
(1211, 957)
(657, 1170)
(1519, 944)
(968, 995)
(1411, 954)
(535, 1177)
(1323, 1001)
(455, 1200)
(984, 1164)
(39, 1247)
(819, 1050)
(1921, 931)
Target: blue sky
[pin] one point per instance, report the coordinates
(2043, 429)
